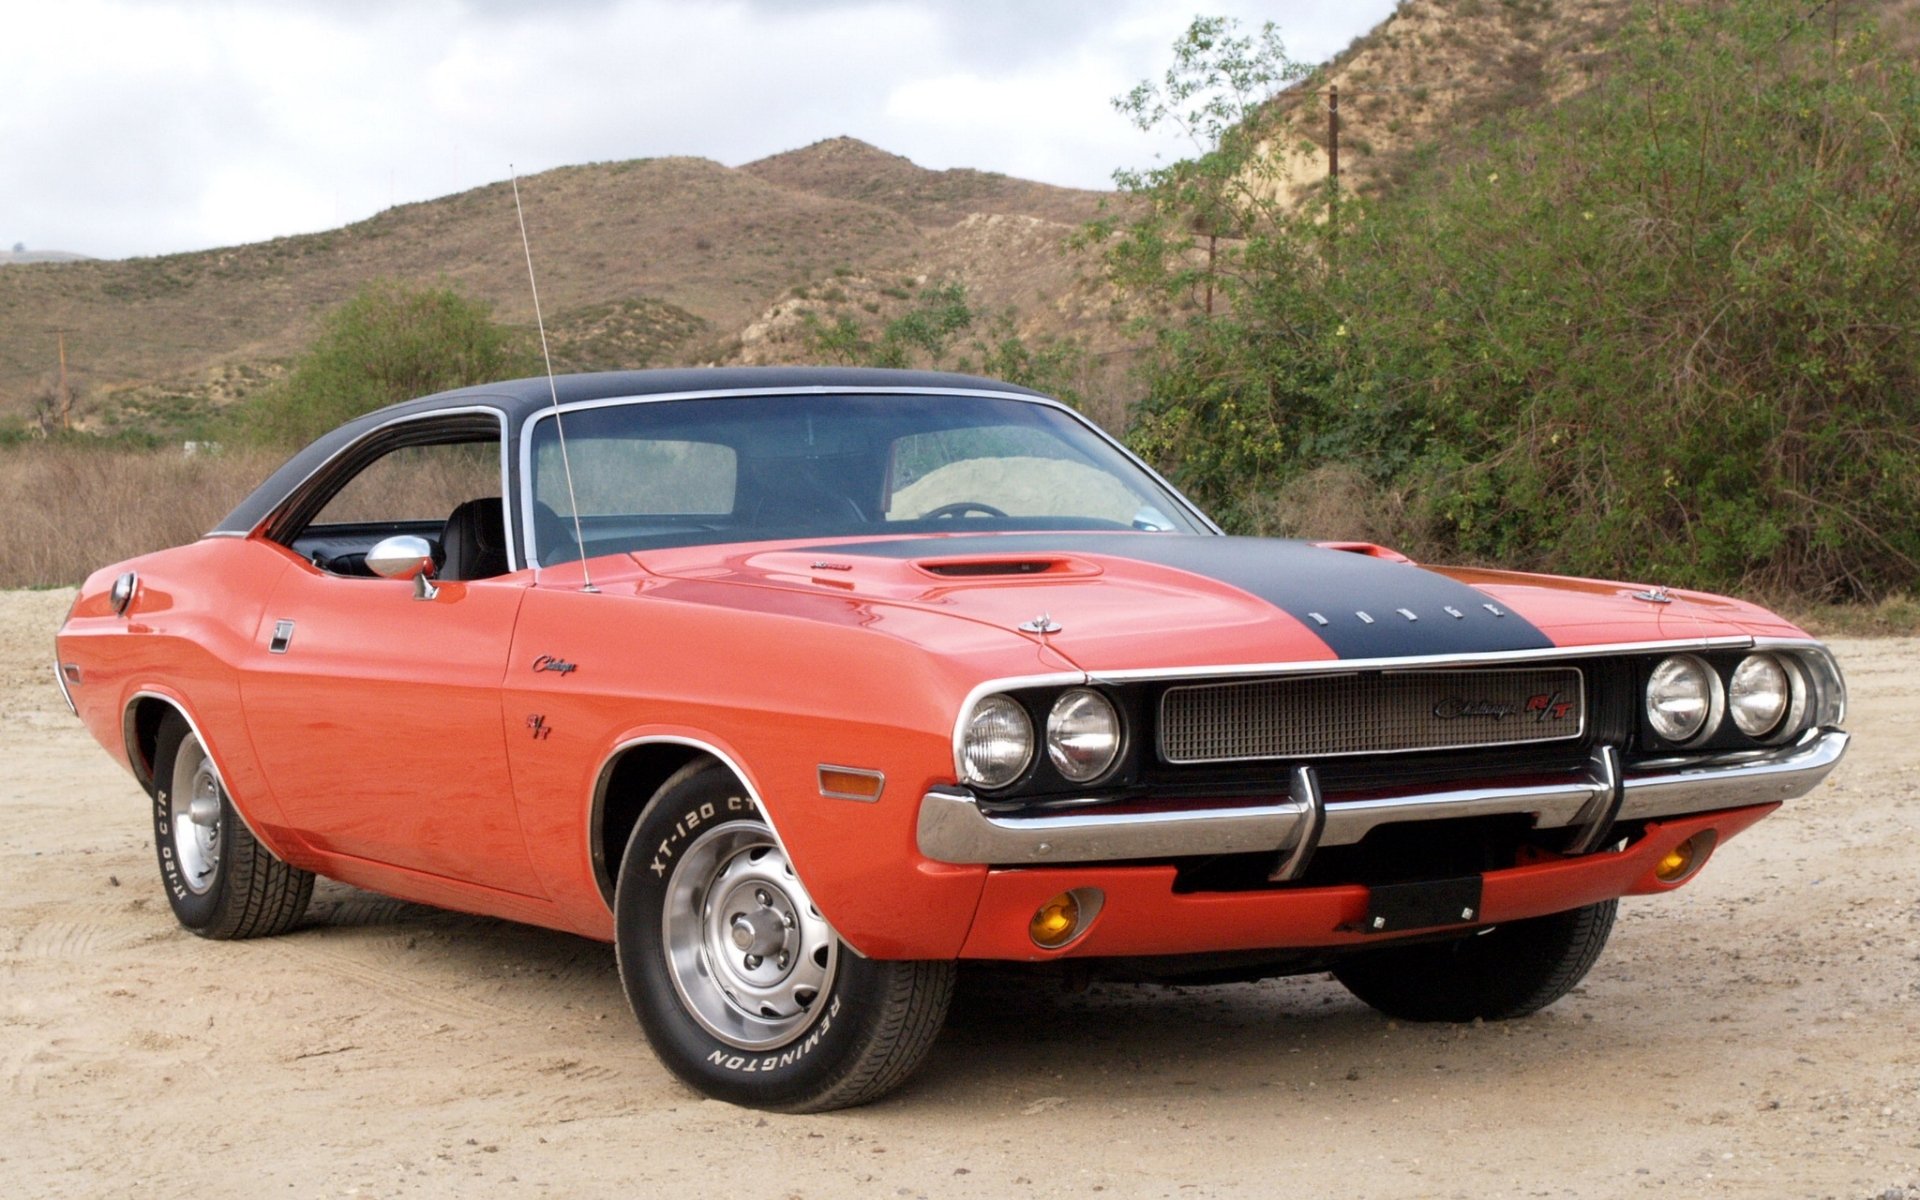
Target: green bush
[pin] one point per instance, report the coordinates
(389, 343)
(928, 335)
(1669, 329)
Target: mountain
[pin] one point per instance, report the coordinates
(683, 260)
(692, 250)
(40, 256)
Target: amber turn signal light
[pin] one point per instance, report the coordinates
(1064, 917)
(1686, 858)
(1056, 921)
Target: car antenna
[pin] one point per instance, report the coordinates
(553, 390)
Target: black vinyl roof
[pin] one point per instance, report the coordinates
(518, 399)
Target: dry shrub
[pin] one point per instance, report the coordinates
(1339, 503)
(71, 509)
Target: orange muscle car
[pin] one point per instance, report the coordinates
(801, 686)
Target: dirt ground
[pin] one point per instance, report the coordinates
(1755, 1035)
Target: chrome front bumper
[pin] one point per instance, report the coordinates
(954, 829)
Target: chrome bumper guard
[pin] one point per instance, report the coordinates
(954, 829)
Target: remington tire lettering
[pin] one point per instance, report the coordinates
(744, 989)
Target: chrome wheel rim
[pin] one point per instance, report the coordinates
(749, 955)
(194, 807)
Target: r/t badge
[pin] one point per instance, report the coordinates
(537, 724)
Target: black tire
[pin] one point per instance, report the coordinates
(221, 882)
(805, 1024)
(1511, 970)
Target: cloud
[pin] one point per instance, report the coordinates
(148, 126)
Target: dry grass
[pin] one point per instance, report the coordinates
(71, 510)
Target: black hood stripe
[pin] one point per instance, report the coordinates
(1325, 590)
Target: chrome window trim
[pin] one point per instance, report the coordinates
(300, 489)
(531, 550)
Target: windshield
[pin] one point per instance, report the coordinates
(648, 474)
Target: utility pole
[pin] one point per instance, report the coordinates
(1333, 174)
(1333, 134)
(66, 397)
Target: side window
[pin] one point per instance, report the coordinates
(446, 492)
(416, 485)
(1021, 470)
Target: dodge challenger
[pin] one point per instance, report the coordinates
(803, 686)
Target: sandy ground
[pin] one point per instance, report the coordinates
(1755, 1035)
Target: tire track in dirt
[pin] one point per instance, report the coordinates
(412, 990)
(74, 936)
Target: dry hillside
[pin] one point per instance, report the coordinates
(1429, 71)
(685, 260)
(685, 250)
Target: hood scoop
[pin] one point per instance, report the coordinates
(975, 566)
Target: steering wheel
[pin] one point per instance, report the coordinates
(960, 508)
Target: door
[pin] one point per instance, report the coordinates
(376, 715)
(377, 720)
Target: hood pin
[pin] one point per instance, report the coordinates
(1043, 625)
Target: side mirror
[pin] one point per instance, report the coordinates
(405, 556)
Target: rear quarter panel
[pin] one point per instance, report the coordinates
(194, 618)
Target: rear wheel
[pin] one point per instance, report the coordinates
(221, 882)
(1511, 970)
(743, 988)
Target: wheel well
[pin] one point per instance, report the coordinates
(142, 726)
(628, 783)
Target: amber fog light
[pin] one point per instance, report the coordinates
(1064, 917)
(1686, 858)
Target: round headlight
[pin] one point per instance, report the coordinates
(1083, 735)
(1759, 695)
(1682, 694)
(998, 742)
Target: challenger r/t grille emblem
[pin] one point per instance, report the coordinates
(1547, 706)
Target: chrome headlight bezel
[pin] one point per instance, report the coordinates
(1826, 687)
(1767, 724)
(995, 717)
(1692, 666)
(1083, 705)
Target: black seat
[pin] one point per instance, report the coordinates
(474, 541)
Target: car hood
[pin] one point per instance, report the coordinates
(1112, 602)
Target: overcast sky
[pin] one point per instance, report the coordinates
(150, 126)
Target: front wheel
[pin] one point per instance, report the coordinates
(221, 882)
(743, 988)
(1511, 970)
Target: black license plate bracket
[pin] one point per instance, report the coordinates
(1430, 904)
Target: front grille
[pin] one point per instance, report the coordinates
(1401, 712)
